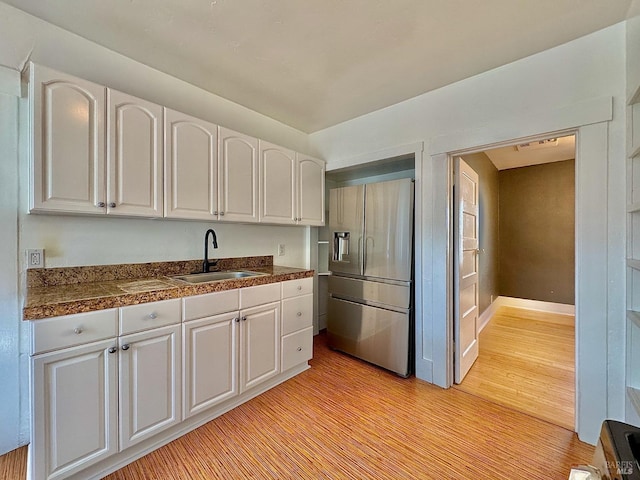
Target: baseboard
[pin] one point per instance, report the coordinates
(524, 303)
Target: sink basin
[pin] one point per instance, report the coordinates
(216, 276)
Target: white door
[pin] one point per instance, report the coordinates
(277, 184)
(259, 344)
(210, 361)
(465, 268)
(191, 167)
(68, 143)
(310, 187)
(238, 158)
(134, 161)
(150, 387)
(75, 396)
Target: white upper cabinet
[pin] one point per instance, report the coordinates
(277, 184)
(238, 186)
(134, 167)
(310, 186)
(191, 167)
(67, 121)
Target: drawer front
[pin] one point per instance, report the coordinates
(294, 288)
(136, 318)
(259, 295)
(297, 348)
(70, 330)
(209, 304)
(297, 313)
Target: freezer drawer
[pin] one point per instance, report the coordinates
(396, 296)
(373, 334)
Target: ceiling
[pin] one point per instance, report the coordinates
(315, 64)
(533, 153)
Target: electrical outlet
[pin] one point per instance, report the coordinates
(35, 258)
(281, 250)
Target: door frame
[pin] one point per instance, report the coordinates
(589, 122)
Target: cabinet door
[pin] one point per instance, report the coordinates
(74, 410)
(134, 159)
(277, 184)
(310, 188)
(259, 344)
(210, 362)
(191, 167)
(238, 156)
(150, 386)
(68, 170)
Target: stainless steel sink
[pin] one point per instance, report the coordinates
(217, 276)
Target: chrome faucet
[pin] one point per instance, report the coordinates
(206, 265)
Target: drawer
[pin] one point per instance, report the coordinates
(136, 318)
(297, 313)
(69, 330)
(297, 348)
(209, 304)
(294, 288)
(259, 295)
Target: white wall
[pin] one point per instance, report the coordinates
(589, 68)
(70, 241)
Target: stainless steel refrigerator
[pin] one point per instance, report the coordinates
(369, 313)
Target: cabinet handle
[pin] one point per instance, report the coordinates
(112, 205)
(299, 287)
(237, 319)
(113, 349)
(215, 213)
(125, 346)
(299, 349)
(77, 330)
(100, 205)
(244, 319)
(299, 314)
(222, 214)
(153, 315)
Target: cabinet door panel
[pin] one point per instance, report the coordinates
(238, 156)
(135, 156)
(210, 362)
(260, 345)
(74, 409)
(150, 387)
(310, 190)
(277, 184)
(191, 166)
(67, 114)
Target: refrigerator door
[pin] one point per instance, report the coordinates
(346, 223)
(373, 334)
(389, 229)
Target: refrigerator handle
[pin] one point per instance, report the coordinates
(361, 245)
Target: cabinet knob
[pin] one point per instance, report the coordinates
(77, 330)
(299, 314)
(125, 346)
(299, 287)
(113, 349)
(153, 315)
(299, 349)
(215, 213)
(237, 319)
(100, 205)
(112, 205)
(222, 214)
(244, 319)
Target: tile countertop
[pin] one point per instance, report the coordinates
(53, 293)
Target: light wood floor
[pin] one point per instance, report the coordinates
(527, 362)
(345, 419)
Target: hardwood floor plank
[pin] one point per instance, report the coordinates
(527, 362)
(346, 419)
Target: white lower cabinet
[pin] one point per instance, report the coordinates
(105, 382)
(74, 409)
(150, 383)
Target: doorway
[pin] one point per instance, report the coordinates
(525, 262)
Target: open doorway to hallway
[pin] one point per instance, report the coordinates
(526, 271)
